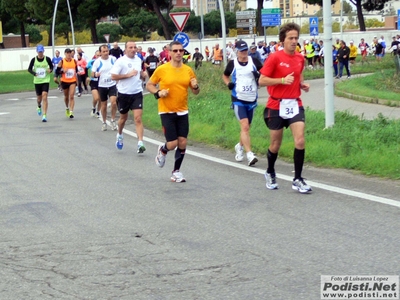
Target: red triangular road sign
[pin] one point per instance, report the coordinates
(180, 19)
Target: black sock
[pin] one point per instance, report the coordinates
(298, 157)
(164, 149)
(271, 161)
(179, 155)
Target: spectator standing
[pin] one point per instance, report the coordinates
(343, 56)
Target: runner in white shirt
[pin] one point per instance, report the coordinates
(107, 87)
(128, 72)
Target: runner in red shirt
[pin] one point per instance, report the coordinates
(282, 74)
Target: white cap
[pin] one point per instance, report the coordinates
(351, 42)
(306, 41)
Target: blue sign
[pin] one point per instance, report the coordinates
(182, 38)
(398, 19)
(314, 26)
(270, 20)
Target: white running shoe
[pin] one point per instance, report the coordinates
(251, 158)
(160, 157)
(177, 177)
(120, 141)
(140, 147)
(271, 181)
(104, 127)
(300, 185)
(113, 125)
(239, 152)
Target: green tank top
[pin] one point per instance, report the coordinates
(41, 69)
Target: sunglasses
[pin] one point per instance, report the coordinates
(178, 50)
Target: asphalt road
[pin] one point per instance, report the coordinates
(81, 220)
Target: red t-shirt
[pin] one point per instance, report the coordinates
(280, 64)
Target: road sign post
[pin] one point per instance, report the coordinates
(398, 18)
(179, 19)
(314, 26)
(182, 38)
(271, 17)
(246, 23)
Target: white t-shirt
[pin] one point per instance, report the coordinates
(104, 67)
(124, 65)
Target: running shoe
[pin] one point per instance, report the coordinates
(177, 177)
(120, 141)
(71, 114)
(140, 147)
(79, 94)
(271, 181)
(251, 158)
(93, 112)
(239, 152)
(113, 125)
(39, 111)
(301, 186)
(44, 118)
(160, 158)
(67, 112)
(98, 115)
(104, 127)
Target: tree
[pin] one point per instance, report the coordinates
(18, 10)
(34, 34)
(347, 7)
(156, 6)
(92, 10)
(368, 5)
(212, 22)
(107, 28)
(139, 23)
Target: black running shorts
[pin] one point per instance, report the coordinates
(104, 92)
(175, 126)
(41, 87)
(276, 122)
(128, 102)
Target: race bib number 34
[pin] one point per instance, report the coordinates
(288, 108)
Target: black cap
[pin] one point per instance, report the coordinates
(241, 46)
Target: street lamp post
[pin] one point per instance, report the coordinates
(54, 24)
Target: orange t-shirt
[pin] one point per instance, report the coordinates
(69, 71)
(177, 80)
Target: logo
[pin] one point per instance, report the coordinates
(359, 287)
(282, 64)
(129, 65)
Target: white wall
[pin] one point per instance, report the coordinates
(19, 58)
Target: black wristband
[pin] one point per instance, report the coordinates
(196, 88)
(157, 95)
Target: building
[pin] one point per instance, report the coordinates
(297, 8)
(206, 6)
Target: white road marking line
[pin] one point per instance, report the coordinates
(4, 113)
(13, 99)
(326, 187)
